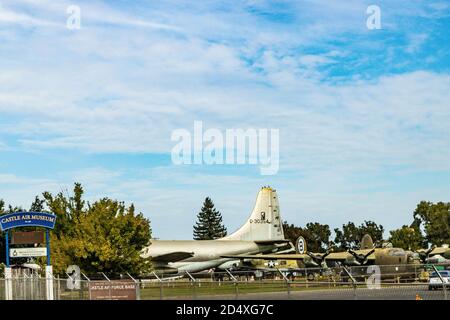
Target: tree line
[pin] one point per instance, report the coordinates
(430, 226)
(108, 236)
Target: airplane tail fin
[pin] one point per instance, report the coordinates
(366, 242)
(264, 223)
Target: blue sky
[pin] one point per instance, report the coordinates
(363, 114)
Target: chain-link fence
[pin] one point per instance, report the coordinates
(35, 288)
(271, 290)
(421, 282)
(359, 282)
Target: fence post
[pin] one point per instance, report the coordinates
(89, 284)
(110, 298)
(288, 283)
(444, 285)
(49, 282)
(193, 285)
(235, 281)
(138, 291)
(58, 287)
(160, 285)
(353, 282)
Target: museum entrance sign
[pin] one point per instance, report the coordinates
(27, 219)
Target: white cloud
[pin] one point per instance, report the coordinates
(416, 41)
(8, 16)
(92, 12)
(103, 89)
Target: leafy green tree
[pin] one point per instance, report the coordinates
(317, 235)
(350, 236)
(4, 211)
(407, 237)
(12, 209)
(435, 219)
(105, 236)
(374, 230)
(209, 224)
(67, 208)
(292, 232)
(37, 205)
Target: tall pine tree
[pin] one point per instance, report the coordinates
(209, 223)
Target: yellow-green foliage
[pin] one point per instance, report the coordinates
(105, 236)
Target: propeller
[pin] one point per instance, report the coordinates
(360, 257)
(319, 259)
(423, 255)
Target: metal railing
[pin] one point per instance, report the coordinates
(300, 283)
(272, 290)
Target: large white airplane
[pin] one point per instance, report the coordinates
(261, 233)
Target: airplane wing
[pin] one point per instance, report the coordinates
(338, 256)
(295, 256)
(271, 241)
(267, 256)
(173, 257)
(345, 255)
(438, 250)
(334, 256)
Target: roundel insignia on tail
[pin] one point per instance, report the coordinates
(300, 245)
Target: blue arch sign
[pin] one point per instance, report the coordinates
(27, 219)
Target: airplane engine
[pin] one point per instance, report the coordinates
(308, 262)
(233, 265)
(351, 261)
(446, 254)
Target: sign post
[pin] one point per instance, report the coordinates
(8, 271)
(28, 219)
(47, 239)
(48, 268)
(7, 248)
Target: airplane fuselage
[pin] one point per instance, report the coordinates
(206, 254)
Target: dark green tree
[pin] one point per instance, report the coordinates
(317, 235)
(4, 211)
(374, 230)
(104, 236)
(435, 220)
(209, 224)
(407, 237)
(350, 236)
(292, 232)
(37, 205)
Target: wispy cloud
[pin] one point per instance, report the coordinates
(351, 104)
(11, 17)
